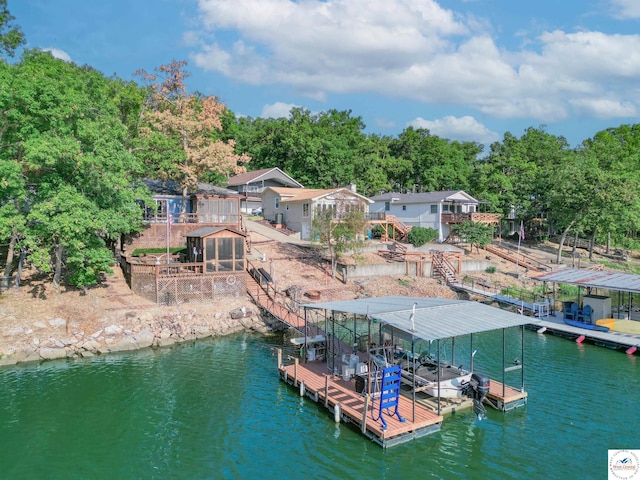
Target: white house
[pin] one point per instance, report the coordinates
(437, 210)
(294, 207)
(251, 184)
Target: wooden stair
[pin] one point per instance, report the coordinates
(444, 269)
(521, 259)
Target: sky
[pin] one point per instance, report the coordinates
(467, 70)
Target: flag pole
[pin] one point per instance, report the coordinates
(168, 235)
(520, 236)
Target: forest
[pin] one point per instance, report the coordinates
(76, 144)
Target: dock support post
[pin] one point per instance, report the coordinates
(295, 372)
(302, 388)
(326, 391)
(363, 427)
(279, 357)
(336, 413)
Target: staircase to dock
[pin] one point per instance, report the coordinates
(444, 269)
(520, 259)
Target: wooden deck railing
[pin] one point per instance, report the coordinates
(470, 217)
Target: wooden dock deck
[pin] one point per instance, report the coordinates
(505, 399)
(353, 408)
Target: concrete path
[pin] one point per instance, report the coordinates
(272, 233)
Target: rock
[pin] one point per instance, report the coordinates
(145, 317)
(57, 322)
(113, 330)
(96, 334)
(39, 325)
(144, 338)
(201, 331)
(47, 353)
(124, 344)
(165, 342)
(91, 346)
(16, 331)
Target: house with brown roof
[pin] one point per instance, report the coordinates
(295, 207)
(251, 185)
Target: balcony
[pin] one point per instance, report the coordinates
(488, 218)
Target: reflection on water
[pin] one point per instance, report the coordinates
(216, 409)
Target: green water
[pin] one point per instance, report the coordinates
(216, 409)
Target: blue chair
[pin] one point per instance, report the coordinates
(585, 314)
(571, 311)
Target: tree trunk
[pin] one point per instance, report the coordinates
(592, 242)
(562, 239)
(10, 254)
(185, 198)
(608, 242)
(58, 267)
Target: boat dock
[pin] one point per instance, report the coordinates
(554, 325)
(340, 397)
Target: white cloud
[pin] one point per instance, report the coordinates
(59, 54)
(457, 128)
(605, 108)
(277, 110)
(626, 8)
(416, 49)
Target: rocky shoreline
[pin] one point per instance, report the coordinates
(59, 337)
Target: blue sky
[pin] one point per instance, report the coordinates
(465, 69)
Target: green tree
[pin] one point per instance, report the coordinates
(419, 236)
(63, 133)
(11, 37)
(518, 172)
(437, 163)
(474, 233)
(340, 228)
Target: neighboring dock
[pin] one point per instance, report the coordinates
(554, 325)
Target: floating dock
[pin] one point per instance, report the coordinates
(340, 397)
(554, 325)
(348, 406)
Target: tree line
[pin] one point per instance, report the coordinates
(74, 146)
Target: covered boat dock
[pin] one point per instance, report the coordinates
(610, 297)
(340, 371)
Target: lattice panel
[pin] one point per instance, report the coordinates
(199, 288)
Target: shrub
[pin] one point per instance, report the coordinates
(491, 269)
(418, 236)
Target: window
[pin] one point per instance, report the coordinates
(434, 208)
(387, 206)
(277, 205)
(305, 209)
(404, 207)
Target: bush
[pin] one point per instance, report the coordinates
(418, 236)
(491, 269)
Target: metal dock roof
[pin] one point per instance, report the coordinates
(434, 318)
(624, 282)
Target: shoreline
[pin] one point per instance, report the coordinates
(59, 338)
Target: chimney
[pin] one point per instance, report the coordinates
(352, 187)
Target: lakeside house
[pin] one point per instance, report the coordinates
(437, 210)
(295, 207)
(251, 185)
(207, 230)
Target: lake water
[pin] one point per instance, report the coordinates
(216, 409)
